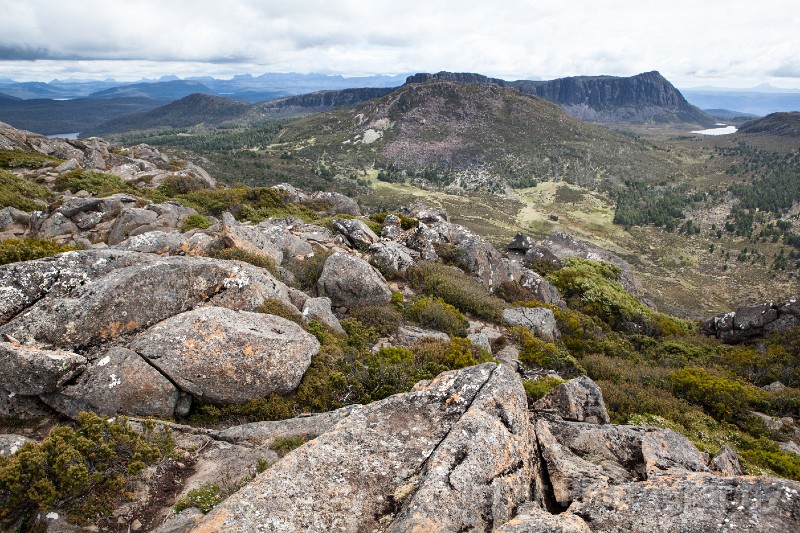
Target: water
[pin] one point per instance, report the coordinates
(727, 130)
(64, 135)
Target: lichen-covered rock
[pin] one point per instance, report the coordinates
(332, 203)
(156, 242)
(24, 284)
(538, 320)
(374, 457)
(531, 518)
(356, 231)
(426, 214)
(29, 370)
(224, 356)
(319, 309)
(391, 258)
(521, 242)
(10, 444)
(127, 300)
(726, 462)
(248, 238)
(579, 400)
(482, 470)
(410, 335)
(20, 406)
(694, 502)
(129, 221)
(543, 290)
(120, 381)
(279, 233)
(350, 281)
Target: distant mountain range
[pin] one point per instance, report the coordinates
(744, 101)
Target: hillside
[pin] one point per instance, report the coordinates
(167, 90)
(475, 136)
(189, 111)
(646, 97)
(781, 124)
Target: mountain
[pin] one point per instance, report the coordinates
(782, 124)
(750, 101)
(50, 117)
(327, 100)
(34, 89)
(475, 136)
(6, 98)
(191, 110)
(646, 97)
(166, 90)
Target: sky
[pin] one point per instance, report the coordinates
(730, 43)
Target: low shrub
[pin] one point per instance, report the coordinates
(97, 183)
(538, 353)
(513, 292)
(21, 193)
(205, 497)
(723, 397)
(455, 287)
(385, 319)
(435, 313)
(284, 445)
(254, 205)
(29, 248)
(535, 389)
(307, 271)
(406, 223)
(195, 222)
(25, 159)
(83, 471)
(277, 307)
(237, 254)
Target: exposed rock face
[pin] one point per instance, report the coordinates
(726, 462)
(128, 300)
(349, 281)
(333, 203)
(10, 444)
(579, 400)
(120, 381)
(156, 242)
(521, 242)
(249, 238)
(319, 309)
(375, 456)
(482, 470)
(225, 356)
(391, 258)
(538, 320)
(753, 321)
(135, 221)
(356, 232)
(426, 214)
(409, 335)
(28, 370)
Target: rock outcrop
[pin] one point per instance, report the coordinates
(350, 281)
(753, 321)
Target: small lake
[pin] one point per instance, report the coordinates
(64, 135)
(726, 130)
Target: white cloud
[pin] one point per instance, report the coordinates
(734, 42)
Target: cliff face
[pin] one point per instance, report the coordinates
(325, 100)
(644, 97)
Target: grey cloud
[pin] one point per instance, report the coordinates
(22, 53)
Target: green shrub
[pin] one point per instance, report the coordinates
(205, 497)
(307, 271)
(406, 223)
(195, 222)
(284, 445)
(455, 287)
(25, 159)
(385, 319)
(255, 259)
(722, 397)
(254, 205)
(29, 248)
(20, 193)
(181, 184)
(536, 352)
(275, 306)
(97, 183)
(83, 470)
(537, 388)
(624, 400)
(435, 313)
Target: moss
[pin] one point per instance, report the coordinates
(21, 193)
(195, 222)
(82, 470)
(456, 288)
(29, 248)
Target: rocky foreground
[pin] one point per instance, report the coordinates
(149, 320)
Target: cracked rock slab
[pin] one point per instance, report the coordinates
(346, 479)
(29, 370)
(225, 356)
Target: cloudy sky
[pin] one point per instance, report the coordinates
(731, 43)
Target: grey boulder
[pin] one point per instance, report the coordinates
(28, 370)
(579, 400)
(540, 321)
(350, 281)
